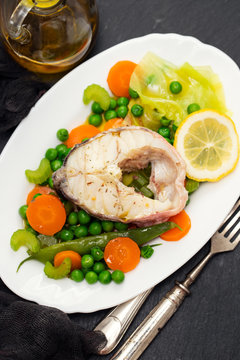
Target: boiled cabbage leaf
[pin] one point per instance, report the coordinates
(151, 79)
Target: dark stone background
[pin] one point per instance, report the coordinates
(207, 325)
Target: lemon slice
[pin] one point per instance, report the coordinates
(209, 145)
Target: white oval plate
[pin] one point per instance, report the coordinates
(61, 107)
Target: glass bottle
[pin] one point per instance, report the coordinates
(48, 36)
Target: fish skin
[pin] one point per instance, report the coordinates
(91, 176)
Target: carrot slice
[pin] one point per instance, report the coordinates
(113, 123)
(119, 77)
(38, 190)
(183, 220)
(122, 253)
(46, 214)
(79, 133)
(73, 255)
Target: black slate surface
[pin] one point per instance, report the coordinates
(207, 325)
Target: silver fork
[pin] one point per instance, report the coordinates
(226, 238)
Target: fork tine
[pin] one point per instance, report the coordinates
(235, 236)
(230, 222)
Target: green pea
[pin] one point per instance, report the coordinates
(68, 206)
(56, 164)
(97, 253)
(105, 277)
(72, 218)
(165, 121)
(36, 195)
(122, 111)
(95, 119)
(174, 127)
(81, 231)
(146, 251)
(66, 235)
(95, 228)
(192, 108)
(137, 110)
(91, 277)
(171, 141)
(83, 217)
(175, 87)
(133, 93)
(62, 150)
(120, 226)
(87, 261)
(50, 183)
(51, 154)
(98, 267)
(107, 225)
(85, 271)
(73, 228)
(85, 139)
(110, 114)
(164, 131)
(62, 135)
(22, 211)
(122, 101)
(118, 276)
(113, 104)
(96, 108)
(77, 275)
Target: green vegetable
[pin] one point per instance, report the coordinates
(95, 119)
(147, 251)
(165, 121)
(96, 108)
(68, 206)
(133, 93)
(105, 277)
(118, 276)
(122, 111)
(83, 217)
(56, 164)
(85, 244)
(87, 261)
(91, 277)
(200, 86)
(137, 110)
(22, 237)
(46, 240)
(127, 178)
(95, 228)
(62, 135)
(41, 174)
(51, 154)
(122, 101)
(50, 183)
(22, 211)
(169, 140)
(62, 151)
(191, 185)
(97, 253)
(58, 272)
(72, 218)
(175, 87)
(110, 114)
(192, 108)
(98, 267)
(96, 93)
(113, 104)
(85, 139)
(164, 131)
(31, 230)
(77, 275)
(81, 231)
(120, 226)
(147, 192)
(66, 235)
(107, 225)
(36, 195)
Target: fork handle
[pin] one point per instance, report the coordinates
(149, 328)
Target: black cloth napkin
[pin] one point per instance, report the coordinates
(29, 331)
(19, 91)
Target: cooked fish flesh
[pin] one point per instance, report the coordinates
(91, 176)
